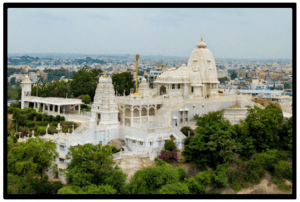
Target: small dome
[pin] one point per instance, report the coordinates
(201, 44)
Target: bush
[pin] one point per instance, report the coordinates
(167, 155)
(57, 118)
(174, 188)
(30, 124)
(31, 115)
(182, 173)
(86, 99)
(283, 170)
(195, 187)
(10, 110)
(54, 123)
(41, 130)
(170, 145)
(114, 149)
(39, 117)
(62, 118)
(50, 118)
(45, 117)
(15, 139)
(185, 130)
(43, 123)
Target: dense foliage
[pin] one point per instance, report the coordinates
(86, 99)
(54, 75)
(85, 81)
(123, 81)
(264, 129)
(25, 162)
(92, 165)
(52, 89)
(213, 143)
(26, 120)
(186, 129)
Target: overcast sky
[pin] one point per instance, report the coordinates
(228, 33)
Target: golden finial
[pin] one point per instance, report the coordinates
(201, 39)
(137, 56)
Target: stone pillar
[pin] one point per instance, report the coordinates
(58, 109)
(38, 106)
(131, 122)
(79, 109)
(140, 111)
(155, 109)
(53, 108)
(123, 114)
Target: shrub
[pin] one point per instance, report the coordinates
(283, 187)
(174, 188)
(283, 170)
(114, 149)
(17, 135)
(30, 135)
(170, 145)
(10, 110)
(217, 191)
(194, 186)
(43, 123)
(15, 139)
(45, 117)
(57, 118)
(167, 155)
(54, 123)
(39, 117)
(182, 173)
(41, 130)
(31, 115)
(50, 118)
(86, 99)
(185, 130)
(30, 124)
(62, 118)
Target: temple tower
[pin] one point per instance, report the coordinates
(104, 109)
(26, 91)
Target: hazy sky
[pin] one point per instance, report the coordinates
(228, 33)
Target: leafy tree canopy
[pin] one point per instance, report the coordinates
(86, 99)
(91, 189)
(263, 129)
(213, 143)
(92, 164)
(151, 179)
(123, 81)
(31, 157)
(85, 81)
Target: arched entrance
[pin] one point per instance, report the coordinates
(162, 90)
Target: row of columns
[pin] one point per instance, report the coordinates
(36, 105)
(140, 114)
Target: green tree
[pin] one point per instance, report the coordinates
(92, 164)
(31, 157)
(123, 81)
(186, 129)
(170, 145)
(175, 188)
(213, 142)
(91, 189)
(261, 129)
(151, 179)
(86, 99)
(85, 81)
